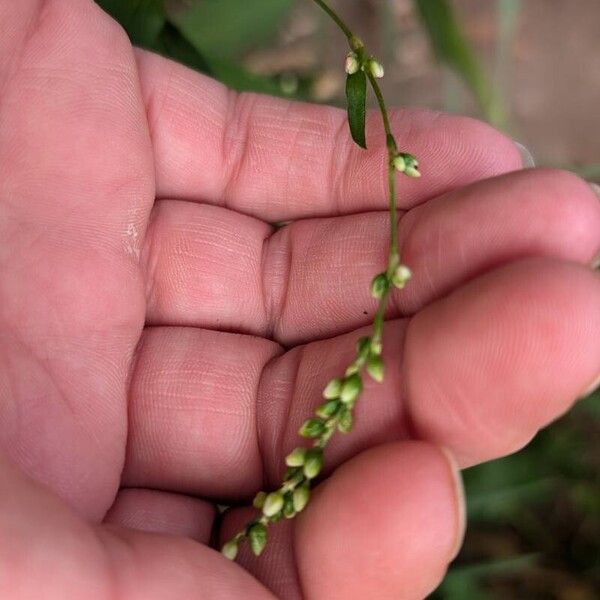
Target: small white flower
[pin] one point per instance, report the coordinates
(376, 69)
(352, 64)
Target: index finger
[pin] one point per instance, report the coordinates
(278, 160)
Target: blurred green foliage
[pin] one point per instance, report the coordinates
(211, 35)
(534, 517)
(452, 48)
(227, 28)
(207, 36)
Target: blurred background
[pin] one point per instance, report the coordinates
(531, 68)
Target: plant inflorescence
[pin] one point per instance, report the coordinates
(340, 395)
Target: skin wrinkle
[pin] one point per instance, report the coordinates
(266, 290)
(279, 243)
(271, 475)
(235, 149)
(152, 109)
(150, 256)
(258, 420)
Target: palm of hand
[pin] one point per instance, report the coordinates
(186, 411)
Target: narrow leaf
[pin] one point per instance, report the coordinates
(451, 47)
(227, 28)
(356, 94)
(143, 20)
(172, 44)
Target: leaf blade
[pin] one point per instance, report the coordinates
(451, 47)
(226, 29)
(356, 95)
(143, 20)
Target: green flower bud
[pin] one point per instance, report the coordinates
(312, 428)
(363, 347)
(333, 389)
(273, 504)
(259, 500)
(379, 286)
(352, 65)
(257, 536)
(289, 512)
(353, 368)
(346, 421)
(411, 165)
(376, 69)
(352, 388)
(411, 161)
(356, 43)
(301, 497)
(328, 409)
(296, 457)
(376, 347)
(399, 163)
(375, 368)
(401, 276)
(314, 463)
(277, 517)
(230, 550)
(293, 476)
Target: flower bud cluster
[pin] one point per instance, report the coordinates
(407, 164)
(355, 63)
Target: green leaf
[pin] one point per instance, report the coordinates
(143, 20)
(236, 77)
(452, 48)
(146, 24)
(465, 582)
(187, 38)
(356, 94)
(225, 28)
(172, 44)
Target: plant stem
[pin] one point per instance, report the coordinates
(340, 394)
(392, 150)
(390, 140)
(336, 18)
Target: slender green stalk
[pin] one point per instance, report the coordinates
(336, 18)
(340, 394)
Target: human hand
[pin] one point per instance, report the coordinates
(129, 400)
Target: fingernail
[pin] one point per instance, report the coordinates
(527, 159)
(459, 493)
(592, 388)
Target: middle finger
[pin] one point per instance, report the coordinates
(210, 267)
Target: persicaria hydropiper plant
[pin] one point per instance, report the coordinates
(340, 395)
